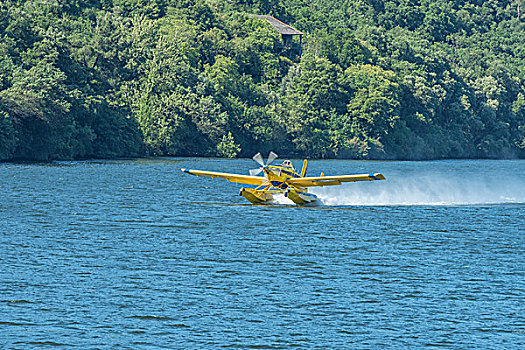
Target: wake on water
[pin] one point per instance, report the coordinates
(426, 190)
(419, 189)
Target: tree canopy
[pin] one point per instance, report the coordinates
(381, 79)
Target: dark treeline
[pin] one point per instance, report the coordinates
(398, 79)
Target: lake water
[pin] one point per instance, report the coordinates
(135, 254)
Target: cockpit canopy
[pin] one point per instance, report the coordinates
(287, 164)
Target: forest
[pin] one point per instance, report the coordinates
(373, 79)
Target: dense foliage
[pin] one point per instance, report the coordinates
(392, 79)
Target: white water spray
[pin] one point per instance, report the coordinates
(280, 199)
(427, 189)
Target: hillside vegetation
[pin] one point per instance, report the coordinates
(400, 79)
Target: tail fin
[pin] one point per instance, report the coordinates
(303, 170)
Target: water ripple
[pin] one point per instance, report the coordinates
(134, 254)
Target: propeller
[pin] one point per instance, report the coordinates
(259, 160)
(271, 157)
(255, 172)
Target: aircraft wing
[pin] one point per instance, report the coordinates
(333, 180)
(241, 179)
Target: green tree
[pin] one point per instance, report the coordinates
(312, 94)
(227, 147)
(8, 140)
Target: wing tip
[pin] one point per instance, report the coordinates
(377, 176)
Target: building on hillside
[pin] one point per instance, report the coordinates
(287, 32)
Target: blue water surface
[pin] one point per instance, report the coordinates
(136, 254)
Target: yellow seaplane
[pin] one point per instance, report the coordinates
(282, 179)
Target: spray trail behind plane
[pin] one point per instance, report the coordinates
(459, 183)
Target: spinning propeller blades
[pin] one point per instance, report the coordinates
(259, 160)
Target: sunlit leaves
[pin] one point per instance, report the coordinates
(377, 79)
